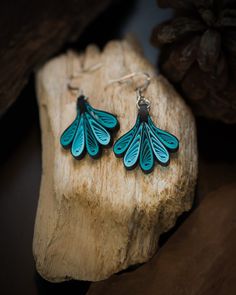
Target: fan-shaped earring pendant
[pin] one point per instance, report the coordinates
(145, 143)
(90, 131)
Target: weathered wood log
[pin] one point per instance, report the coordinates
(31, 31)
(198, 259)
(94, 218)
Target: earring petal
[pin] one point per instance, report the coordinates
(78, 145)
(124, 141)
(106, 119)
(92, 145)
(101, 134)
(146, 159)
(69, 134)
(159, 150)
(132, 154)
(169, 140)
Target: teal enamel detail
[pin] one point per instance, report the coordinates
(124, 141)
(90, 130)
(145, 144)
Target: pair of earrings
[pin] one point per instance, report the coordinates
(144, 144)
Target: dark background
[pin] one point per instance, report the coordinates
(20, 155)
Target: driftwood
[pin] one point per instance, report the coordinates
(31, 31)
(94, 218)
(198, 259)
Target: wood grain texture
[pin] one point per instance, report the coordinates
(94, 218)
(198, 259)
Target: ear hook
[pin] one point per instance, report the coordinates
(132, 75)
(90, 69)
(76, 90)
(87, 70)
(140, 98)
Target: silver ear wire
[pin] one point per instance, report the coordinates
(132, 75)
(87, 70)
(141, 100)
(90, 69)
(139, 89)
(76, 90)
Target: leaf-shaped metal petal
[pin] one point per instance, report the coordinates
(78, 145)
(132, 154)
(100, 133)
(158, 148)
(69, 134)
(124, 141)
(146, 159)
(169, 140)
(106, 119)
(92, 146)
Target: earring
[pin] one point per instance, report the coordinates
(90, 131)
(144, 143)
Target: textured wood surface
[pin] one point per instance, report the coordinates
(94, 218)
(198, 259)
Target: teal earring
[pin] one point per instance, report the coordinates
(91, 130)
(144, 144)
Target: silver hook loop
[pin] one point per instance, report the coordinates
(87, 70)
(76, 90)
(143, 87)
(132, 75)
(141, 100)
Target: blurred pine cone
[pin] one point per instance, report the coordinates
(199, 54)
